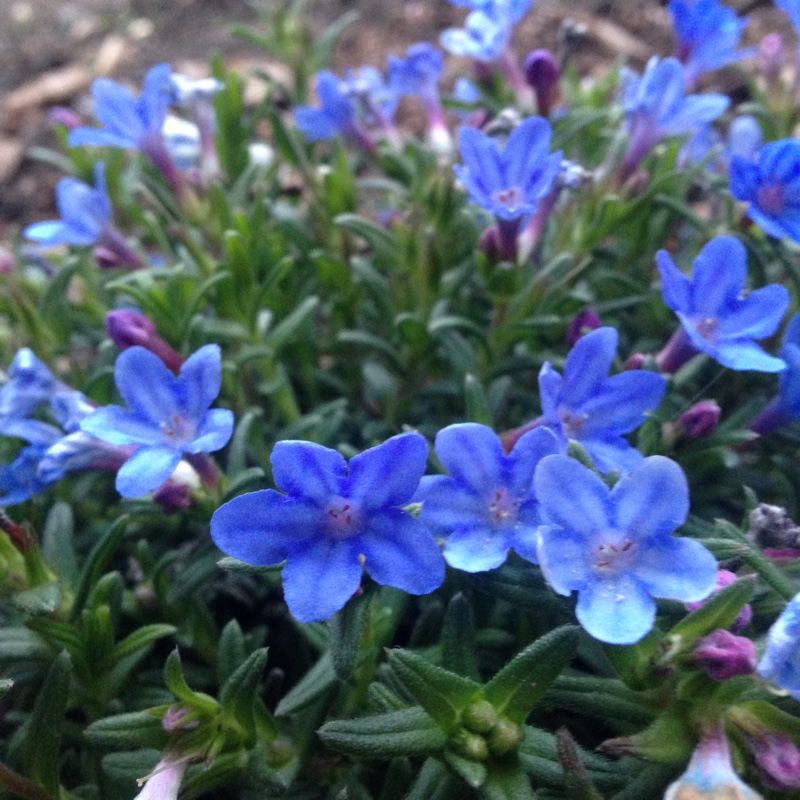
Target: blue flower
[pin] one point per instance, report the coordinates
(487, 30)
(744, 137)
(588, 406)
(792, 9)
(717, 317)
(20, 480)
(336, 113)
(30, 384)
(656, 106)
(508, 182)
(785, 406)
(333, 518)
(781, 661)
(613, 546)
(418, 73)
(169, 416)
(770, 181)
(85, 213)
(127, 122)
(707, 34)
(487, 505)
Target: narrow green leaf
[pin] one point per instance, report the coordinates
(57, 542)
(126, 731)
(238, 696)
(383, 241)
(231, 651)
(473, 772)
(286, 329)
(477, 402)
(173, 677)
(434, 782)
(141, 638)
(516, 689)
(345, 630)
(44, 729)
(458, 639)
(39, 600)
(507, 780)
(318, 680)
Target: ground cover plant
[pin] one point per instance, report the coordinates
(346, 461)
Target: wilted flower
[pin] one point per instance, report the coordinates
(334, 518)
(613, 546)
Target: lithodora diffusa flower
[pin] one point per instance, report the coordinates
(335, 517)
(613, 546)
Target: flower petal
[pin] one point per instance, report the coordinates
(146, 385)
(115, 109)
(389, 474)
(477, 548)
(621, 403)
(563, 558)
(617, 611)
(447, 506)
(680, 569)
(525, 151)
(675, 286)
(473, 455)
(757, 316)
(718, 275)
(146, 470)
(401, 552)
(742, 354)
(522, 461)
(262, 528)
(482, 161)
(120, 426)
(587, 366)
(200, 380)
(213, 433)
(307, 470)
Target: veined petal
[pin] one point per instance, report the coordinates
(146, 470)
(447, 506)
(401, 552)
(550, 383)
(780, 161)
(309, 471)
(572, 496)
(200, 380)
(744, 178)
(525, 151)
(652, 501)
(616, 610)
(320, 578)
(718, 275)
(120, 426)
(679, 569)
(695, 110)
(482, 159)
(213, 432)
(473, 455)
(115, 108)
(77, 204)
(587, 366)
(622, 402)
(757, 316)
(388, 475)
(146, 385)
(262, 528)
(675, 286)
(525, 457)
(477, 548)
(155, 98)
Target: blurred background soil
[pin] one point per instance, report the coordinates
(53, 49)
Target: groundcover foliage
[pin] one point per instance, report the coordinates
(341, 461)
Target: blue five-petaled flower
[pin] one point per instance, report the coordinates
(487, 504)
(716, 315)
(168, 416)
(588, 406)
(613, 546)
(487, 29)
(334, 517)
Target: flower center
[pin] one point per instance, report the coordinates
(178, 430)
(610, 559)
(503, 508)
(343, 520)
(707, 328)
(571, 423)
(510, 198)
(770, 199)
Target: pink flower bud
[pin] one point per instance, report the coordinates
(64, 116)
(723, 655)
(635, 361)
(542, 74)
(585, 322)
(771, 57)
(725, 578)
(700, 420)
(778, 761)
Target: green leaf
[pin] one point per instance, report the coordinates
(283, 332)
(516, 689)
(316, 682)
(443, 694)
(231, 651)
(345, 630)
(44, 729)
(434, 782)
(507, 781)
(458, 639)
(409, 732)
(38, 601)
(141, 638)
(238, 696)
(173, 677)
(21, 644)
(57, 542)
(473, 772)
(126, 731)
(476, 401)
(383, 241)
(239, 446)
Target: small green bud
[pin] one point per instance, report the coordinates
(470, 745)
(479, 717)
(505, 737)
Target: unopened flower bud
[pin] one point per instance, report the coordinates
(64, 116)
(174, 719)
(172, 497)
(130, 328)
(723, 655)
(505, 737)
(471, 746)
(778, 761)
(479, 717)
(585, 322)
(542, 74)
(634, 361)
(489, 244)
(771, 57)
(7, 262)
(700, 420)
(725, 578)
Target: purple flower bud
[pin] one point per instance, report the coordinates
(634, 361)
(172, 497)
(723, 655)
(585, 322)
(489, 244)
(130, 328)
(542, 74)
(778, 761)
(7, 262)
(700, 420)
(174, 719)
(725, 578)
(64, 116)
(771, 57)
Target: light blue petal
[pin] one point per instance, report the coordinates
(612, 453)
(308, 470)
(563, 558)
(478, 548)
(550, 384)
(120, 426)
(147, 386)
(675, 286)
(115, 108)
(320, 578)
(678, 569)
(55, 232)
(262, 528)
(526, 151)
(522, 461)
(155, 98)
(742, 354)
(401, 552)
(200, 380)
(213, 433)
(388, 475)
(447, 506)
(99, 137)
(473, 455)
(146, 470)
(693, 112)
(482, 160)
(616, 611)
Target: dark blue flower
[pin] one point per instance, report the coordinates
(336, 113)
(127, 121)
(613, 546)
(718, 318)
(781, 661)
(487, 505)
(418, 73)
(707, 34)
(770, 181)
(20, 480)
(168, 416)
(656, 106)
(487, 30)
(85, 213)
(588, 406)
(333, 518)
(509, 181)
